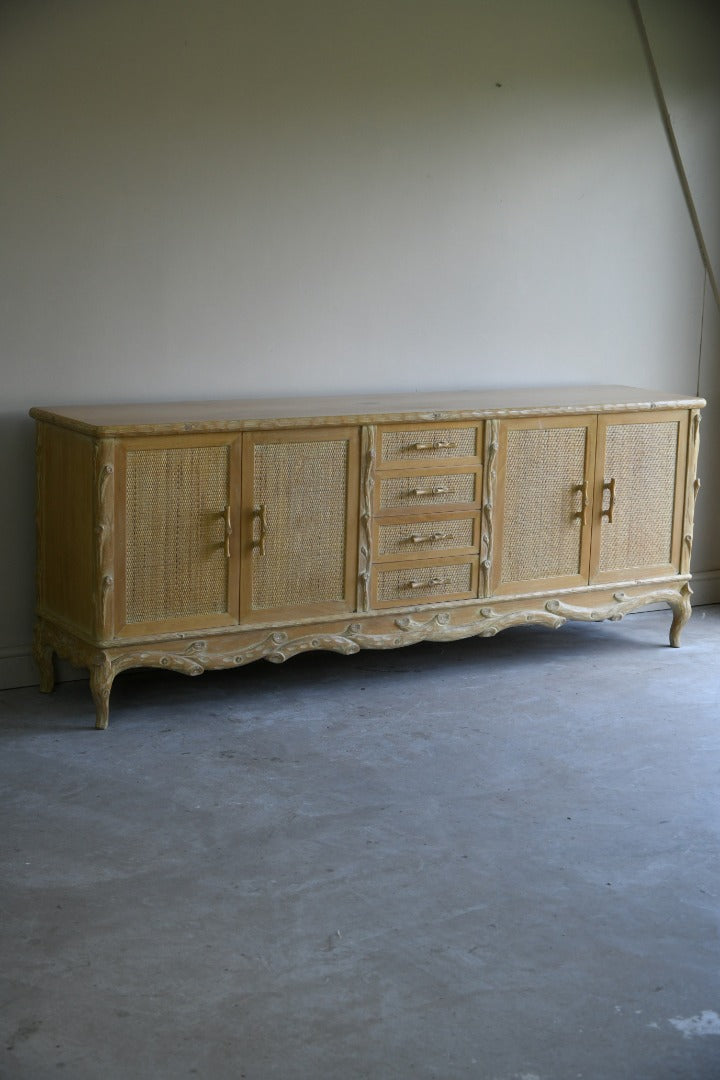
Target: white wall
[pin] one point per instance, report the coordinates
(685, 41)
(207, 198)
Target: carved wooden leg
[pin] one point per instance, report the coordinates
(43, 654)
(681, 613)
(101, 680)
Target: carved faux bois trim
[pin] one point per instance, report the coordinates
(367, 484)
(489, 485)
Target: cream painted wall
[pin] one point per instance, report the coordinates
(207, 198)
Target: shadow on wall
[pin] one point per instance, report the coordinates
(17, 536)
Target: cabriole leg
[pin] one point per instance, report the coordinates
(101, 680)
(43, 654)
(681, 613)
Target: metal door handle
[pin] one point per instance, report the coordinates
(228, 531)
(582, 512)
(443, 490)
(416, 538)
(428, 584)
(609, 486)
(442, 444)
(261, 514)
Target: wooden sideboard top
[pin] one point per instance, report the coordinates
(169, 418)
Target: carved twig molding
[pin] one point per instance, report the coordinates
(622, 604)
(441, 549)
(206, 654)
(105, 590)
(367, 485)
(693, 489)
(489, 485)
(104, 520)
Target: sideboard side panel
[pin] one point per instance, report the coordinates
(67, 563)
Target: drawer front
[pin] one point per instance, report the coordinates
(415, 539)
(436, 582)
(405, 492)
(429, 443)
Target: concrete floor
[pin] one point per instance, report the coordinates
(496, 860)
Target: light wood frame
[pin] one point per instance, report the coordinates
(81, 528)
(565, 581)
(600, 523)
(177, 623)
(350, 435)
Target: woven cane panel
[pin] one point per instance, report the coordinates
(303, 486)
(400, 491)
(175, 556)
(642, 459)
(449, 581)
(541, 535)
(436, 536)
(404, 444)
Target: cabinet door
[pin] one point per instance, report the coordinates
(176, 567)
(543, 504)
(639, 493)
(300, 506)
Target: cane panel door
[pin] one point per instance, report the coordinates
(177, 513)
(639, 494)
(300, 507)
(543, 510)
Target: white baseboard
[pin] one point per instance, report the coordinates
(17, 667)
(706, 588)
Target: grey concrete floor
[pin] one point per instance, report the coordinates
(495, 860)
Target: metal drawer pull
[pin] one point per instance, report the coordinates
(582, 512)
(610, 486)
(228, 532)
(261, 513)
(443, 444)
(417, 539)
(432, 583)
(443, 490)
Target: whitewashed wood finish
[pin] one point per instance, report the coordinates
(367, 487)
(488, 504)
(692, 490)
(107, 646)
(272, 413)
(192, 655)
(104, 529)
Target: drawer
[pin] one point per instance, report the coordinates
(429, 442)
(400, 538)
(408, 492)
(427, 582)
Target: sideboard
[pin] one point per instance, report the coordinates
(208, 535)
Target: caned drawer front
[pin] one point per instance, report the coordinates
(453, 579)
(407, 492)
(431, 442)
(416, 539)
